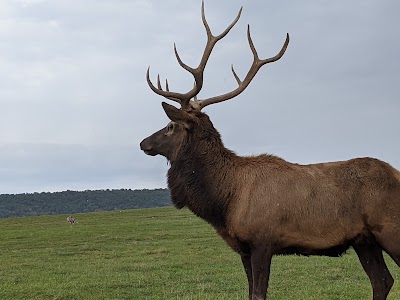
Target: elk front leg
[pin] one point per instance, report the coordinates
(260, 266)
(243, 249)
(246, 260)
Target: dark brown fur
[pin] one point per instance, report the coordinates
(264, 206)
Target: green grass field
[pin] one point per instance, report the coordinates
(155, 254)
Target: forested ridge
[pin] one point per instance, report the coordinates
(72, 202)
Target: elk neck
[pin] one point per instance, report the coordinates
(202, 177)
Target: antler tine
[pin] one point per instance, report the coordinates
(167, 94)
(198, 73)
(256, 65)
(279, 55)
(236, 76)
(181, 63)
(159, 83)
(223, 34)
(251, 44)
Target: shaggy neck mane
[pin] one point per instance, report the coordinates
(201, 177)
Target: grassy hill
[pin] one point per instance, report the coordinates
(158, 253)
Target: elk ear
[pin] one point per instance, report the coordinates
(178, 115)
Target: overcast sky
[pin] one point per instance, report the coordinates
(75, 103)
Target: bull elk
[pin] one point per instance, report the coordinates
(263, 205)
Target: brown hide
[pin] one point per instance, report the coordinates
(312, 206)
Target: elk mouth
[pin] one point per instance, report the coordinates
(147, 149)
(150, 152)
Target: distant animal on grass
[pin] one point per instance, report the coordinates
(71, 220)
(263, 205)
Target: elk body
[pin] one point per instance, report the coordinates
(263, 205)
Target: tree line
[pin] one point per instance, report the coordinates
(72, 202)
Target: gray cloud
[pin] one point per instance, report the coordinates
(75, 104)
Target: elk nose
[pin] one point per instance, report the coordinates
(144, 146)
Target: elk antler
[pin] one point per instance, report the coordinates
(256, 65)
(198, 73)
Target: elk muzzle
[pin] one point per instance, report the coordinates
(146, 147)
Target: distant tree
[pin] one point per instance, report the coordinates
(72, 202)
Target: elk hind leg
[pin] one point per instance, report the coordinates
(371, 258)
(389, 239)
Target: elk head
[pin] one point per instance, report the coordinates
(189, 119)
